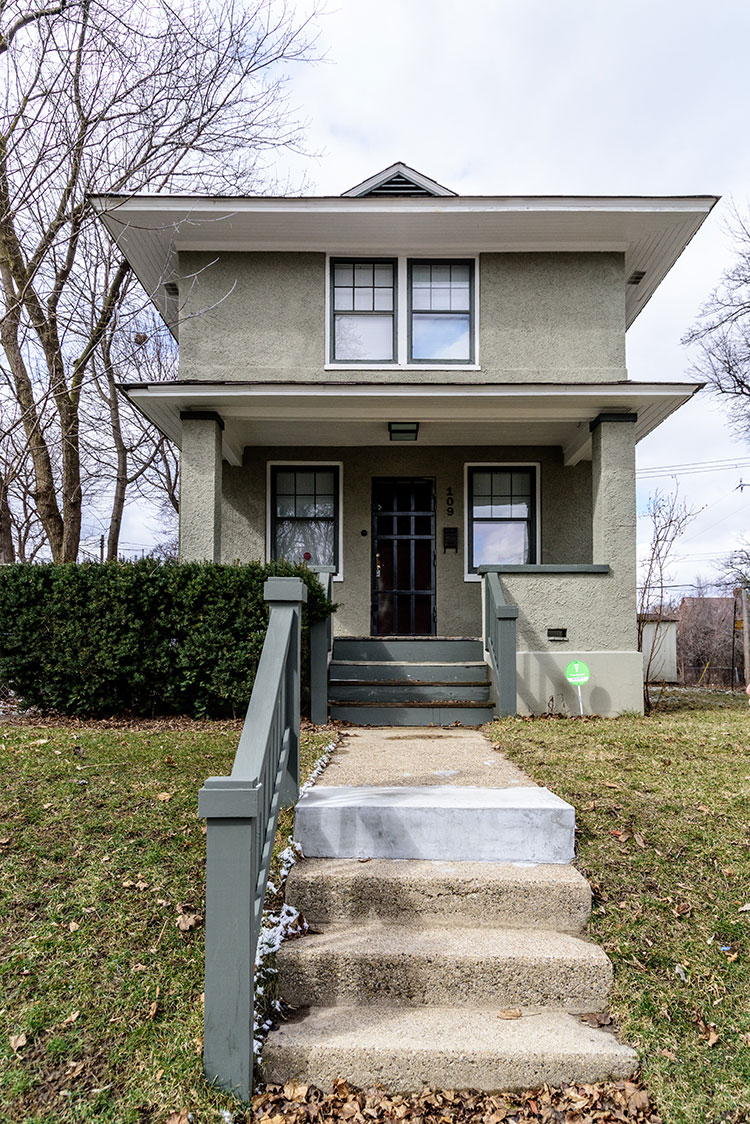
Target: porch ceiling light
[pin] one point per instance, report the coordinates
(403, 431)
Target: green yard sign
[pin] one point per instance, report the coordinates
(577, 673)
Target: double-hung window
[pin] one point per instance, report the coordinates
(440, 312)
(363, 311)
(502, 516)
(304, 514)
(402, 311)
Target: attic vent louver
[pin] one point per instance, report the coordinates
(636, 277)
(398, 185)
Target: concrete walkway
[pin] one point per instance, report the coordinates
(413, 756)
(446, 944)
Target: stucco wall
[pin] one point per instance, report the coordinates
(546, 601)
(543, 318)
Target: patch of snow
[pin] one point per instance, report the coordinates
(276, 926)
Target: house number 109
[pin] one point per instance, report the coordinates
(449, 508)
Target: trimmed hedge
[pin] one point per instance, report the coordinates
(142, 638)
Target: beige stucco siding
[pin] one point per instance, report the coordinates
(542, 318)
(598, 611)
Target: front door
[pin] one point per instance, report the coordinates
(403, 541)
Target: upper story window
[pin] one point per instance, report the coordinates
(402, 311)
(364, 311)
(440, 312)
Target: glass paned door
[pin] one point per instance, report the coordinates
(403, 537)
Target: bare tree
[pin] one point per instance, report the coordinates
(113, 96)
(669, 517)
(721, 334)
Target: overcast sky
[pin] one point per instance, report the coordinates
(562, 97)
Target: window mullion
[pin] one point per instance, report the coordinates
(402, 321)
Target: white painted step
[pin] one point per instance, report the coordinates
(450, 1048)
(436, 822)
(373, 963)
(417, 892)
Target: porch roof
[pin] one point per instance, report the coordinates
(651, 232)
(507, 414)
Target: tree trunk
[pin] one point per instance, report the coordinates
(7, 553)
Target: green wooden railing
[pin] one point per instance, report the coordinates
(500, 641)
(241, 813)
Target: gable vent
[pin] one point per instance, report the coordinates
(636, 277)
(399, 185)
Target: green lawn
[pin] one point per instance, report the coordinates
(98, 867)
(101, 854)
(663, 814)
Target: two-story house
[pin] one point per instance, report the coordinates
(407, 385)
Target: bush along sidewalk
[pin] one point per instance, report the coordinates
(140, 638)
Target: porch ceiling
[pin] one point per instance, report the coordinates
(307, 415)
(651, 232)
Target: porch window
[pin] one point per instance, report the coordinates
(502, 516)
(304, 514)
(363, 311)
(441, 295)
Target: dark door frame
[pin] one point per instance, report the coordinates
(411, 537)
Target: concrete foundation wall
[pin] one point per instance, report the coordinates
(260, 317)
(616, 683)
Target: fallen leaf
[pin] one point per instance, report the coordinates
(153, 1009)
(363, 860)
(141, 885)
(74, 927)
(5, 839)
(703, 808)
(668, 1054)
(680, 971)
(170, 761)
(57, 752)
(180, 1117)
(744, 908)
(713, 1037)
(682, 909)
(71, 1018)
(510, 1013)
(75, 1069)
(639, 839)
(609, 784)
(164, 796)
(17, 1041)
(139, 968)
(40, 741)
(187, 921)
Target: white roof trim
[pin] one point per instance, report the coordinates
(397, 169)
(152, 230)
(561, 410)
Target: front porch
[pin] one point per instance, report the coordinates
(408, 491)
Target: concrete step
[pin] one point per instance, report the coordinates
(416, 714)
(415, 892)
(440, 822)
(371, 963)
(377, 693)
(408, 649)
(404, 1049)
(391, 671)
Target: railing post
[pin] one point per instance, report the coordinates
(507, 615)
(290, 593)
(320, 646)
(230, 807)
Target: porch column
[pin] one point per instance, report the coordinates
(614, 510)
(200, 486)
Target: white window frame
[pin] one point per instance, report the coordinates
(402, 335)
(302, 462)
(537, 465)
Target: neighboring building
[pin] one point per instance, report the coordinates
(407, 384)
(709, 643)
(659, 647)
